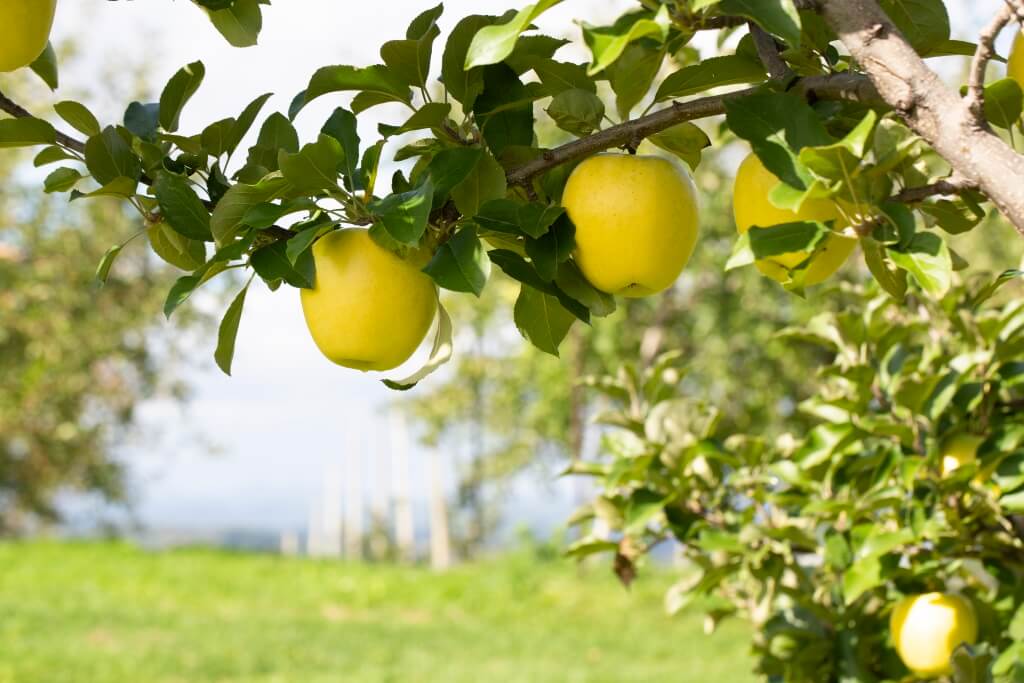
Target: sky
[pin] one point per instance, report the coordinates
(252, 451)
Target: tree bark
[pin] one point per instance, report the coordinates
(935, 112)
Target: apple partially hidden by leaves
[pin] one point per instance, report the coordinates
(369, 309)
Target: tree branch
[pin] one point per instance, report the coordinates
(843, 86)
(986, 49)
(17, 111)
(1017, 6)
(935, 112)
(950, 186)
(768, 52)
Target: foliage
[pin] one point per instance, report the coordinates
(109, 613)
(814, 537)
(462, 194)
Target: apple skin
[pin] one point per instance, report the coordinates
(636, 222)
(751, 207)
(24, 31)
(1015, 65)
(927, 628)
(370, 309)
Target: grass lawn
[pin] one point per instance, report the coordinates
(98, 613)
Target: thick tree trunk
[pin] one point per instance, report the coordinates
(935, 112)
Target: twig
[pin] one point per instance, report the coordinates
(843, 86)
(986, 49)
(950, 186)
(768, 52)
(17, 111)
(1017, 6)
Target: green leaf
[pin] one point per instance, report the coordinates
(300, 244)
(518, 268)
(928, 261)
(460, 264)
(779, 17)
(52, 155)
(244, 122)
(485, 183)
(430, 115)
(541, 319)
(558, 77)
(108, 156)
(272, 263)
(143, 120)
(276, 135)
(991, 288)
(893, 280)
(62, 180)
(343, 127)
(841, 160)
(181, 207)
(577, 111)
(178, 250)
(78, 117)
(710, 73)
(45, 66)
(778, 126)
(314, 167)
(504, 110)
(178, 92)
(440, 354)
(462, 84)
(184, 286)
(532, 219)
(404, 216)
(449, 168)
(685, 140)
(228, 332)
(216, 137)
(571, 281)
(1004, 101)
(241, 23)
(231, 209)
(410, 58)
(631, 75)
(786, 238)
(103, 270)
(26, 132)
(608, 43)
(118, 187)
(492, 44)
(925, 23)
(861, 577)
(552, 248)
(378, 80)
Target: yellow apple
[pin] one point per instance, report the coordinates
(636, 221)
(370, 309)
(1015, 67)
(927, 628)
(24, 30)
(751, 207)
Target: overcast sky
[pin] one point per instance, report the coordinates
(287, 412)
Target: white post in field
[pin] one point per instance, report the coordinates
(353, 456)
(440, 542)
(405, 531)
(330, 525)
(380, 539)
(314, 534)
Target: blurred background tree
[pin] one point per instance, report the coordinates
(76, 360)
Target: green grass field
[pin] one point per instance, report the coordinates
(98, 613)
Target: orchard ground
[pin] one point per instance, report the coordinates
(106, 613)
